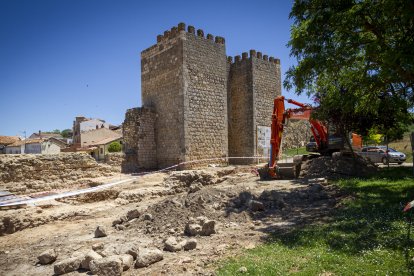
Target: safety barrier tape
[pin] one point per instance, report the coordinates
(112, 184)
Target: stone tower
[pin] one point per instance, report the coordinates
(254, 82)
(198, 103)
(184, 79)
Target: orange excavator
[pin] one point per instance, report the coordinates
(280, 117)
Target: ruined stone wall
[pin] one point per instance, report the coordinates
(241, 129)
(28, 173)
(254, 83)
(139, 140)
(205, 96)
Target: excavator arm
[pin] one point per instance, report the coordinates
(280, 116)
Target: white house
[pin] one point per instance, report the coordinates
(36, 146)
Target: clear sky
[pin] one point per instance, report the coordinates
(60, 59)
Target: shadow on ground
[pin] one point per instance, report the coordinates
(349, 216)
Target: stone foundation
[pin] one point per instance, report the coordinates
(29, 173)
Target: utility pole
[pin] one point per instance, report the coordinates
(24, 141)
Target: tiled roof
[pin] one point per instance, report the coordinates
(106, 141)
(27, 141)
(7, 140)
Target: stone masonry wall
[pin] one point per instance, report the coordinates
(184, 79)
(240, 98)
(205, 97)
(161, 86)
(28, 173)
(296, 134)
(254, 84)
(139, 140)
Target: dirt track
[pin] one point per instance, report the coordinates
(221, 194)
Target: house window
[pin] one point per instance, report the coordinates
(101, 150)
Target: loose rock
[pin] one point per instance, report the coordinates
(192, 229)
(147, 216)
(47, 257)
(256, 206)
(127, 261)
(100, 232)
(89, 256)
(208, 228)
(190, 244)
(148, 256)
(134, 213)
(68, 265)
(108, 266)
(172, 245)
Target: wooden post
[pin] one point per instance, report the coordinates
(412, 146)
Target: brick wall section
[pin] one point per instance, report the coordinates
(139, 139)
(161, 86)
(254, 83)
(240, 122)
(205, 97)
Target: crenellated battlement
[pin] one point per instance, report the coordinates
(252, 55)
(181, 28)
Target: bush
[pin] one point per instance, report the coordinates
(114, 147)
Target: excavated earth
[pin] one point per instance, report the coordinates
(152, 208)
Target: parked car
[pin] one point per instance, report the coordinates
(311, 146)
(380, 154)
(335, 144)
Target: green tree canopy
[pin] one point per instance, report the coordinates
(114, 147)
(66, 133)
(356, 58)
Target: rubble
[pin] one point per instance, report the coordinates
(88, 257)
(335, 168)
(100, 232)
(108, 266)
(47, 257)
(172, 245)
(162, 222)
(190, 244)
(127, 261)
(68, 265)
(148, 256)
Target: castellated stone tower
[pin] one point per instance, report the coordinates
(254, 82)
(184, 78)
(202, 104)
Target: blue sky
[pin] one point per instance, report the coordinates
(60, 59)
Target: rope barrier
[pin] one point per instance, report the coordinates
(112, 184)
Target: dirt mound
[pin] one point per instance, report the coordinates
(194, 180)
(338, 167)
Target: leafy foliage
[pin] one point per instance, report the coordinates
(66, 133)
(114, 147)
(356, 58)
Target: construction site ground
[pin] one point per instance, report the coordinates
(245, 209)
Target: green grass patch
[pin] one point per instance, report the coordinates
(293, 152)
(367, 235)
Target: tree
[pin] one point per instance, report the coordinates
(66, 133)
(115, 147)
(57, 131)
(356, 58)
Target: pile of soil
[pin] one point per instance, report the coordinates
(337, 167)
